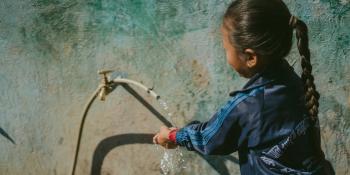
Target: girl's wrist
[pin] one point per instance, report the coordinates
(172, 135)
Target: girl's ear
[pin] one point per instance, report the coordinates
(251, 58)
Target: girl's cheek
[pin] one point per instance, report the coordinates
(230, 59)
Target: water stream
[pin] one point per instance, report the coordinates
(172, 161)
(169, 115)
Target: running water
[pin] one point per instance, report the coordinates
(172, 161)
(166, 109)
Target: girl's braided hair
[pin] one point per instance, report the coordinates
(311, 94)
(266, 26)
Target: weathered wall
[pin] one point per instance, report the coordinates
(50, 52)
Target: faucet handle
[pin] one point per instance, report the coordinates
(104, 72)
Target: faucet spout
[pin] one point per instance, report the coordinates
(105, 84)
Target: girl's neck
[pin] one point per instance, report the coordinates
(265, 67)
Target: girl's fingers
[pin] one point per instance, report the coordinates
(155, 139)
(162, 136)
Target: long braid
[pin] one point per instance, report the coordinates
(311, 94)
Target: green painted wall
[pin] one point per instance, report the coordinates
(50, 51)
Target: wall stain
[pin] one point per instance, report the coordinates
(200, 76)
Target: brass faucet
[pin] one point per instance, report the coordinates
(105, 83)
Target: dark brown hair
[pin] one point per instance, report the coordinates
(266, 26)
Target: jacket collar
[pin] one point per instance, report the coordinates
(269, 75)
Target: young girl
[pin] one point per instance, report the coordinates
(272, 122)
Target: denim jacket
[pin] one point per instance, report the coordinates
(266, 122)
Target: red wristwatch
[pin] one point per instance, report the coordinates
(172, 135)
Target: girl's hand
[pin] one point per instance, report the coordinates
(162, 138)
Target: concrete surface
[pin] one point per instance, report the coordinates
(50, 51)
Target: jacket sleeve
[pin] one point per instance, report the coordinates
(203, 138)
(223, 133)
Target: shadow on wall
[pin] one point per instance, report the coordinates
(108, 144)
(147, 105)
(7, 136)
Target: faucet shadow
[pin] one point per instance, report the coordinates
(147, 105)
(110, 143)
(7, 136)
